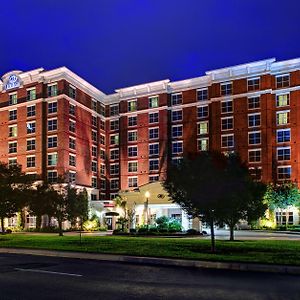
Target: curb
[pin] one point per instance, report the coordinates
(292, 270)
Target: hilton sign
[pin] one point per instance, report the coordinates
(12, 82)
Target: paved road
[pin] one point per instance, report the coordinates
(32, 277)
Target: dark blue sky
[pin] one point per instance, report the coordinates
(118, 43)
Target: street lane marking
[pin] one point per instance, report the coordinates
(48, 272)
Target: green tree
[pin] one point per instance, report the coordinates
(282, 196)
(216, 188)
(13, 184)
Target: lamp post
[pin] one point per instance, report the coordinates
(147, 195)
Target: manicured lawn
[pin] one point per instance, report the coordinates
(273, 252)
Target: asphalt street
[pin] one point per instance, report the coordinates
(38, 277)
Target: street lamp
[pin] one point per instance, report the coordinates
(147, 195)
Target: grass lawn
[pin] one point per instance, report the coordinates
(272, 252)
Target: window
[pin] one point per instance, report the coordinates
(94, 182)
(176, 99)
(12, 162)
(12, 147)
(284, 217)
(31, 94)
(114, 154)
(254, 120)
(72, 126)
(176, 161)
(153, 178)
(132, 136)
(226, 107)
(202, 95)
(114, 184)
(283, 135)
(94, 166)
(102, 169)
(52, 107)
(132, 166)
(114, 169)
(102, 110)
(102, 139)
(255, 173)
(132, 151)
(102, 154)
(226, 88)
(177, 115)
(94, 197)
(282, 117)
(284, 153)
(227, 141)
(52, 159)
(153, 102)
(72, 177)
(254, 155)
(253, 84)
(132, 105)
(94, 105)
(177, 147)
(13, 99)
(153, 149)
(94, 121)
(202, 127)
(284, 172)
(72, 143)
(52, 90)
(227, 123)
(114, 139)
(253, 102)
(203, 144)
(94, 151)
(72, 160)
(94, 135)
(52, 176)
(72, 92)
(30, 127)
(102, 124)
(202, 111)
(153, 165)
(132, 121)
(12, 131)
(31, 111)
(153, 133)
(254, 138)
(102, 184)
(114, 110)
(282, 81)
(282, 100)
(52, 141)
(52, 124)
(114, 125)
(30, 145)
(12, 115)
(177, 131)
(153, 117)
(132, 182)
(72, 109)
(30, 161)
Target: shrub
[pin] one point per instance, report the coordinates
(132, 230)
(143, 230)
(153, 230)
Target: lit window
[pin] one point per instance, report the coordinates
(114, 139)
(282, 117)
(52, 90)
(203, 144)
(52, 159)
(13, 99)
(253, 102)
(202, 127)
(226, 88)
(176, 99)
(282, 100)
(153, 102)
(202, 95)
(254, 155)
(31, 94)
(253, 84)
(254, 138)
(132, 105)
(13, 131)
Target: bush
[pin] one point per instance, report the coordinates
(153, 230)
(8, 231)
(143, 230)
(132, 230)
(281, 227)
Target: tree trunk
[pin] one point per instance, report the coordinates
(38, 222)
(2, 225)
(231, 227)
(60, 228)
(212, 235)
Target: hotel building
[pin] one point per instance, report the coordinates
(55, 123)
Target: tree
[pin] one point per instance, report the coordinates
(13, 183)
(215, 188)
(282, 196)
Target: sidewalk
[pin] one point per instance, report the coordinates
(293, 270)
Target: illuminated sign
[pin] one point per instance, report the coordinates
(12, 82)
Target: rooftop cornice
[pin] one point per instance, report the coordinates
(193, 83)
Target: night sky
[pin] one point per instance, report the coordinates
(118, 43)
